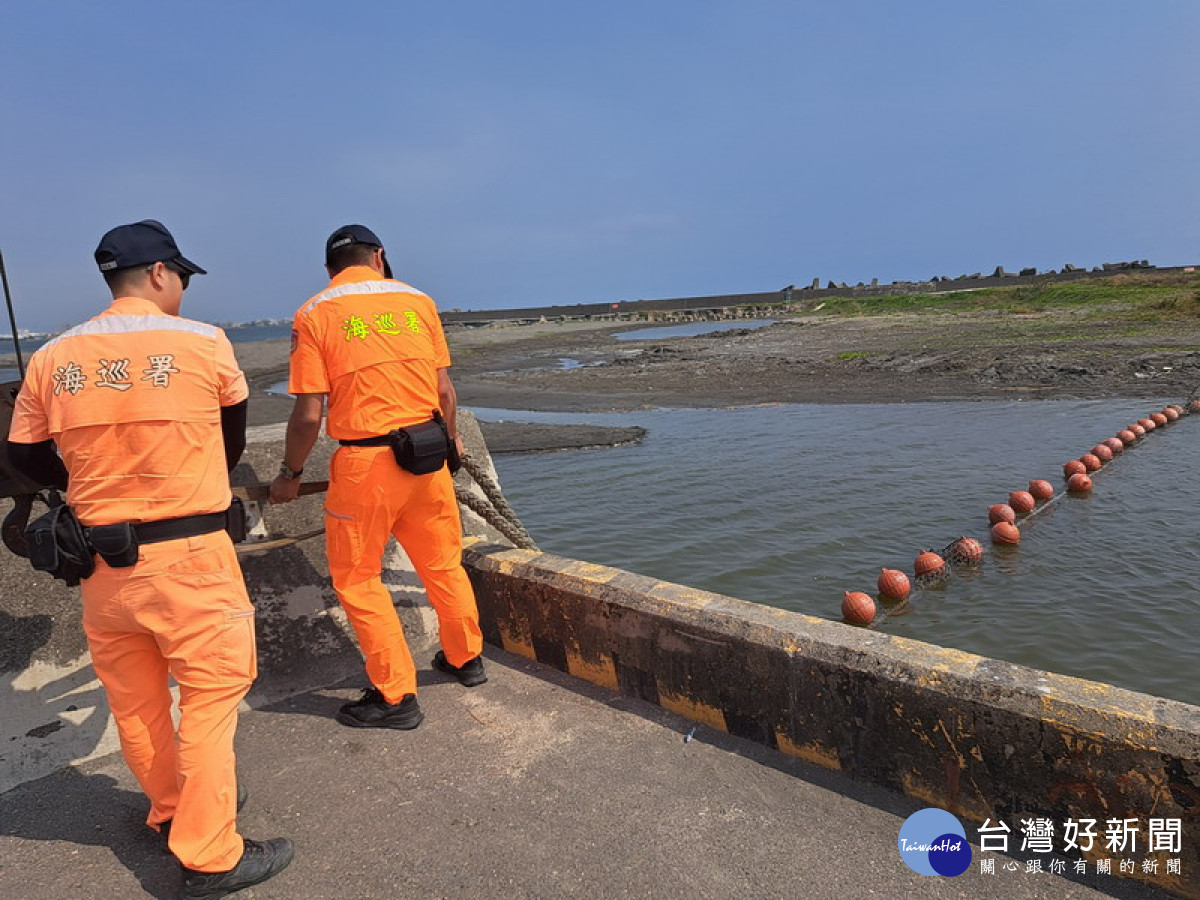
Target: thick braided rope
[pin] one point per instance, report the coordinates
(490, 515)
(501, 508)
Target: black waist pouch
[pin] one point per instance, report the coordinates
(420, 449)
(117, 544)
(235, 520)
(58, 545)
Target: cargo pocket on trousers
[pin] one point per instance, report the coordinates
(343, 546)
(239, 661)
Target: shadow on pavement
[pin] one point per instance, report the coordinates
(72, 807)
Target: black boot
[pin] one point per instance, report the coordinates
(373, 711)
(260, 860)
(469, 674)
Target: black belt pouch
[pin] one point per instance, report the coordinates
(235, 520)
(117, 544)
(420, 449)
(58, 545)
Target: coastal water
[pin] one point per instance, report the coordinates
(691, 329)
(791, 505)
(237, 334)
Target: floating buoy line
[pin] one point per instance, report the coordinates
(932, 568)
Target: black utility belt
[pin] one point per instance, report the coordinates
(172, 529)
(420, 449)
(60, 545)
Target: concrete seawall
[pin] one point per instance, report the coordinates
(976, 736)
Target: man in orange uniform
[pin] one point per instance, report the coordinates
(375, 346)
(149, 413)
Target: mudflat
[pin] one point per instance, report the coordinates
(1129, 336)
(897, 357)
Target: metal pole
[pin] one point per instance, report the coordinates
(12, 319)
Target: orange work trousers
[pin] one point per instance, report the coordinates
(181, 609)
(370, 497)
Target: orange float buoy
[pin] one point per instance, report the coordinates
(1138, 429)
(1171, 413)
(1021, 501)
(1001, 512)
(1041, 490)
(1079, 484)
(1008, 533)
(1194, 406)
(966, 551)
(928, 563)
(1090, 461)
(1074, 467)
(1126, 437)
(858, 608)
(893, 584)
(1158, 419)
(1116, 445)
(1148, 424)
(1102, 452)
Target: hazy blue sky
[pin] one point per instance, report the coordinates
(524, 153)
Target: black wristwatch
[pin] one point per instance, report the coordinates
(286, 471)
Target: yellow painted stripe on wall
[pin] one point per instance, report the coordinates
(601, 672)
(692, 709)
(516, 643)
(813, 752)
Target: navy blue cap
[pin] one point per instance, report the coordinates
(355, 234)
(140, 244)
(351, 234)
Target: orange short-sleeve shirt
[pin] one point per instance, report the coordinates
(375, 346)
(133, 400)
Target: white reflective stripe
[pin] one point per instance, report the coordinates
(361, 287)
(132, 324)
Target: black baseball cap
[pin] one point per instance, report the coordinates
(355, 234)
(140, 244)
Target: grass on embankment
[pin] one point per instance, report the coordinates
(1136, 295)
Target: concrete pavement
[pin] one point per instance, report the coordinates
(533, 785)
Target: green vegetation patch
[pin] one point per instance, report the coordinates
(1144, 295)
